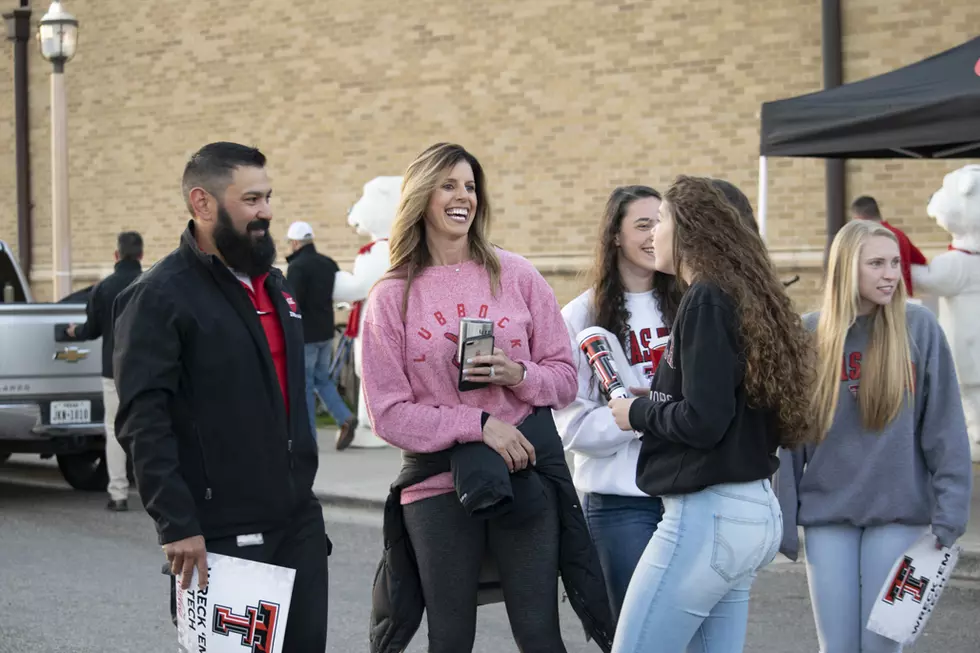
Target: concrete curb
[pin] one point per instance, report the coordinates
(968, 567)
(341, 501)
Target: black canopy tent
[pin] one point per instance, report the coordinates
(926, 110)
(929, 109)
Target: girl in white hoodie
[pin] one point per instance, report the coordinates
(637, 304)
(628, 298)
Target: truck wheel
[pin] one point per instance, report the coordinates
(85, 471)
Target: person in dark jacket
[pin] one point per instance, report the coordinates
(98, 324)
(311, 276)
(731, 386)
(209, 368)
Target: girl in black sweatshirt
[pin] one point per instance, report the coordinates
(730, 388)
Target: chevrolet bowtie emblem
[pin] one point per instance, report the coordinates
(71, 354)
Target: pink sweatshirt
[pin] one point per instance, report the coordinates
(410, 369)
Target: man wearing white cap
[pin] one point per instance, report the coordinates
(311, 276)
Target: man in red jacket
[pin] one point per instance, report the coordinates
(866, 208)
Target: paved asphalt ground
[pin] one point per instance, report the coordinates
(77, 579)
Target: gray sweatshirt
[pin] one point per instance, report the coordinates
(917, 471)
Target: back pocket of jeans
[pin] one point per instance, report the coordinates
(739, 547)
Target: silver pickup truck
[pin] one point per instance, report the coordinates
(50, 388)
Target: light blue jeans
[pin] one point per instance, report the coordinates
(690, 590)
(318, 357)
(845, 569)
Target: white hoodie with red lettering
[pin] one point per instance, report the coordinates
(605, 455)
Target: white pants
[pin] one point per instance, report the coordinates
(845, 569)
(115, 456)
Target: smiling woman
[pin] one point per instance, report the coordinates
(891, 457)
(627, 298)
(880, 272)
(455, 199)
(428, 397)
(864, 284)
(728, 388)
(443, 217)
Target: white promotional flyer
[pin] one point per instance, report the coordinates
(243, 608)
(913, 587)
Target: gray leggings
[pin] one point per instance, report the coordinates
(449, 546)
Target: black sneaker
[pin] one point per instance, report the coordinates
(117, 506)
(346, 434)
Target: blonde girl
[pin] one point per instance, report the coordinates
(891, 459)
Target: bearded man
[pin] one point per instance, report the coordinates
(209, 367)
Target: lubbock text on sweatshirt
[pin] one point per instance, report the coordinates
(916, 471)
(410, 370)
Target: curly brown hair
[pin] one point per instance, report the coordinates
(608, 305)
(717, 247)
(665, 286)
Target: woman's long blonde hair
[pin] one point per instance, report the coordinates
(887, 378)
(408, 250)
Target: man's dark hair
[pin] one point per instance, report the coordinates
(129, 244)
(212, 167)
(866, 207)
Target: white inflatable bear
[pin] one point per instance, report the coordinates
(954, 277)
(372, 215)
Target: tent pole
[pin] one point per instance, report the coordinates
(953, 151)
(835, 199)
(763, 196)
(833, 76)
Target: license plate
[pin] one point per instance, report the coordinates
(71, 412)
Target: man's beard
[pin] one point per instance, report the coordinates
(242, 252)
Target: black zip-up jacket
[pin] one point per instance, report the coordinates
(311, 276)
(698, 429)
(214, 450)
(397, 602)
(98, 312)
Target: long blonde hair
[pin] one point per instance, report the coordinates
(887, 377)
(408, 250)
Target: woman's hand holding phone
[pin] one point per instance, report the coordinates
(497, 369)
(510, 443)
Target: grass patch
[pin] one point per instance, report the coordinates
(325, 420)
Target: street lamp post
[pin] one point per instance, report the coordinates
(57, 35)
